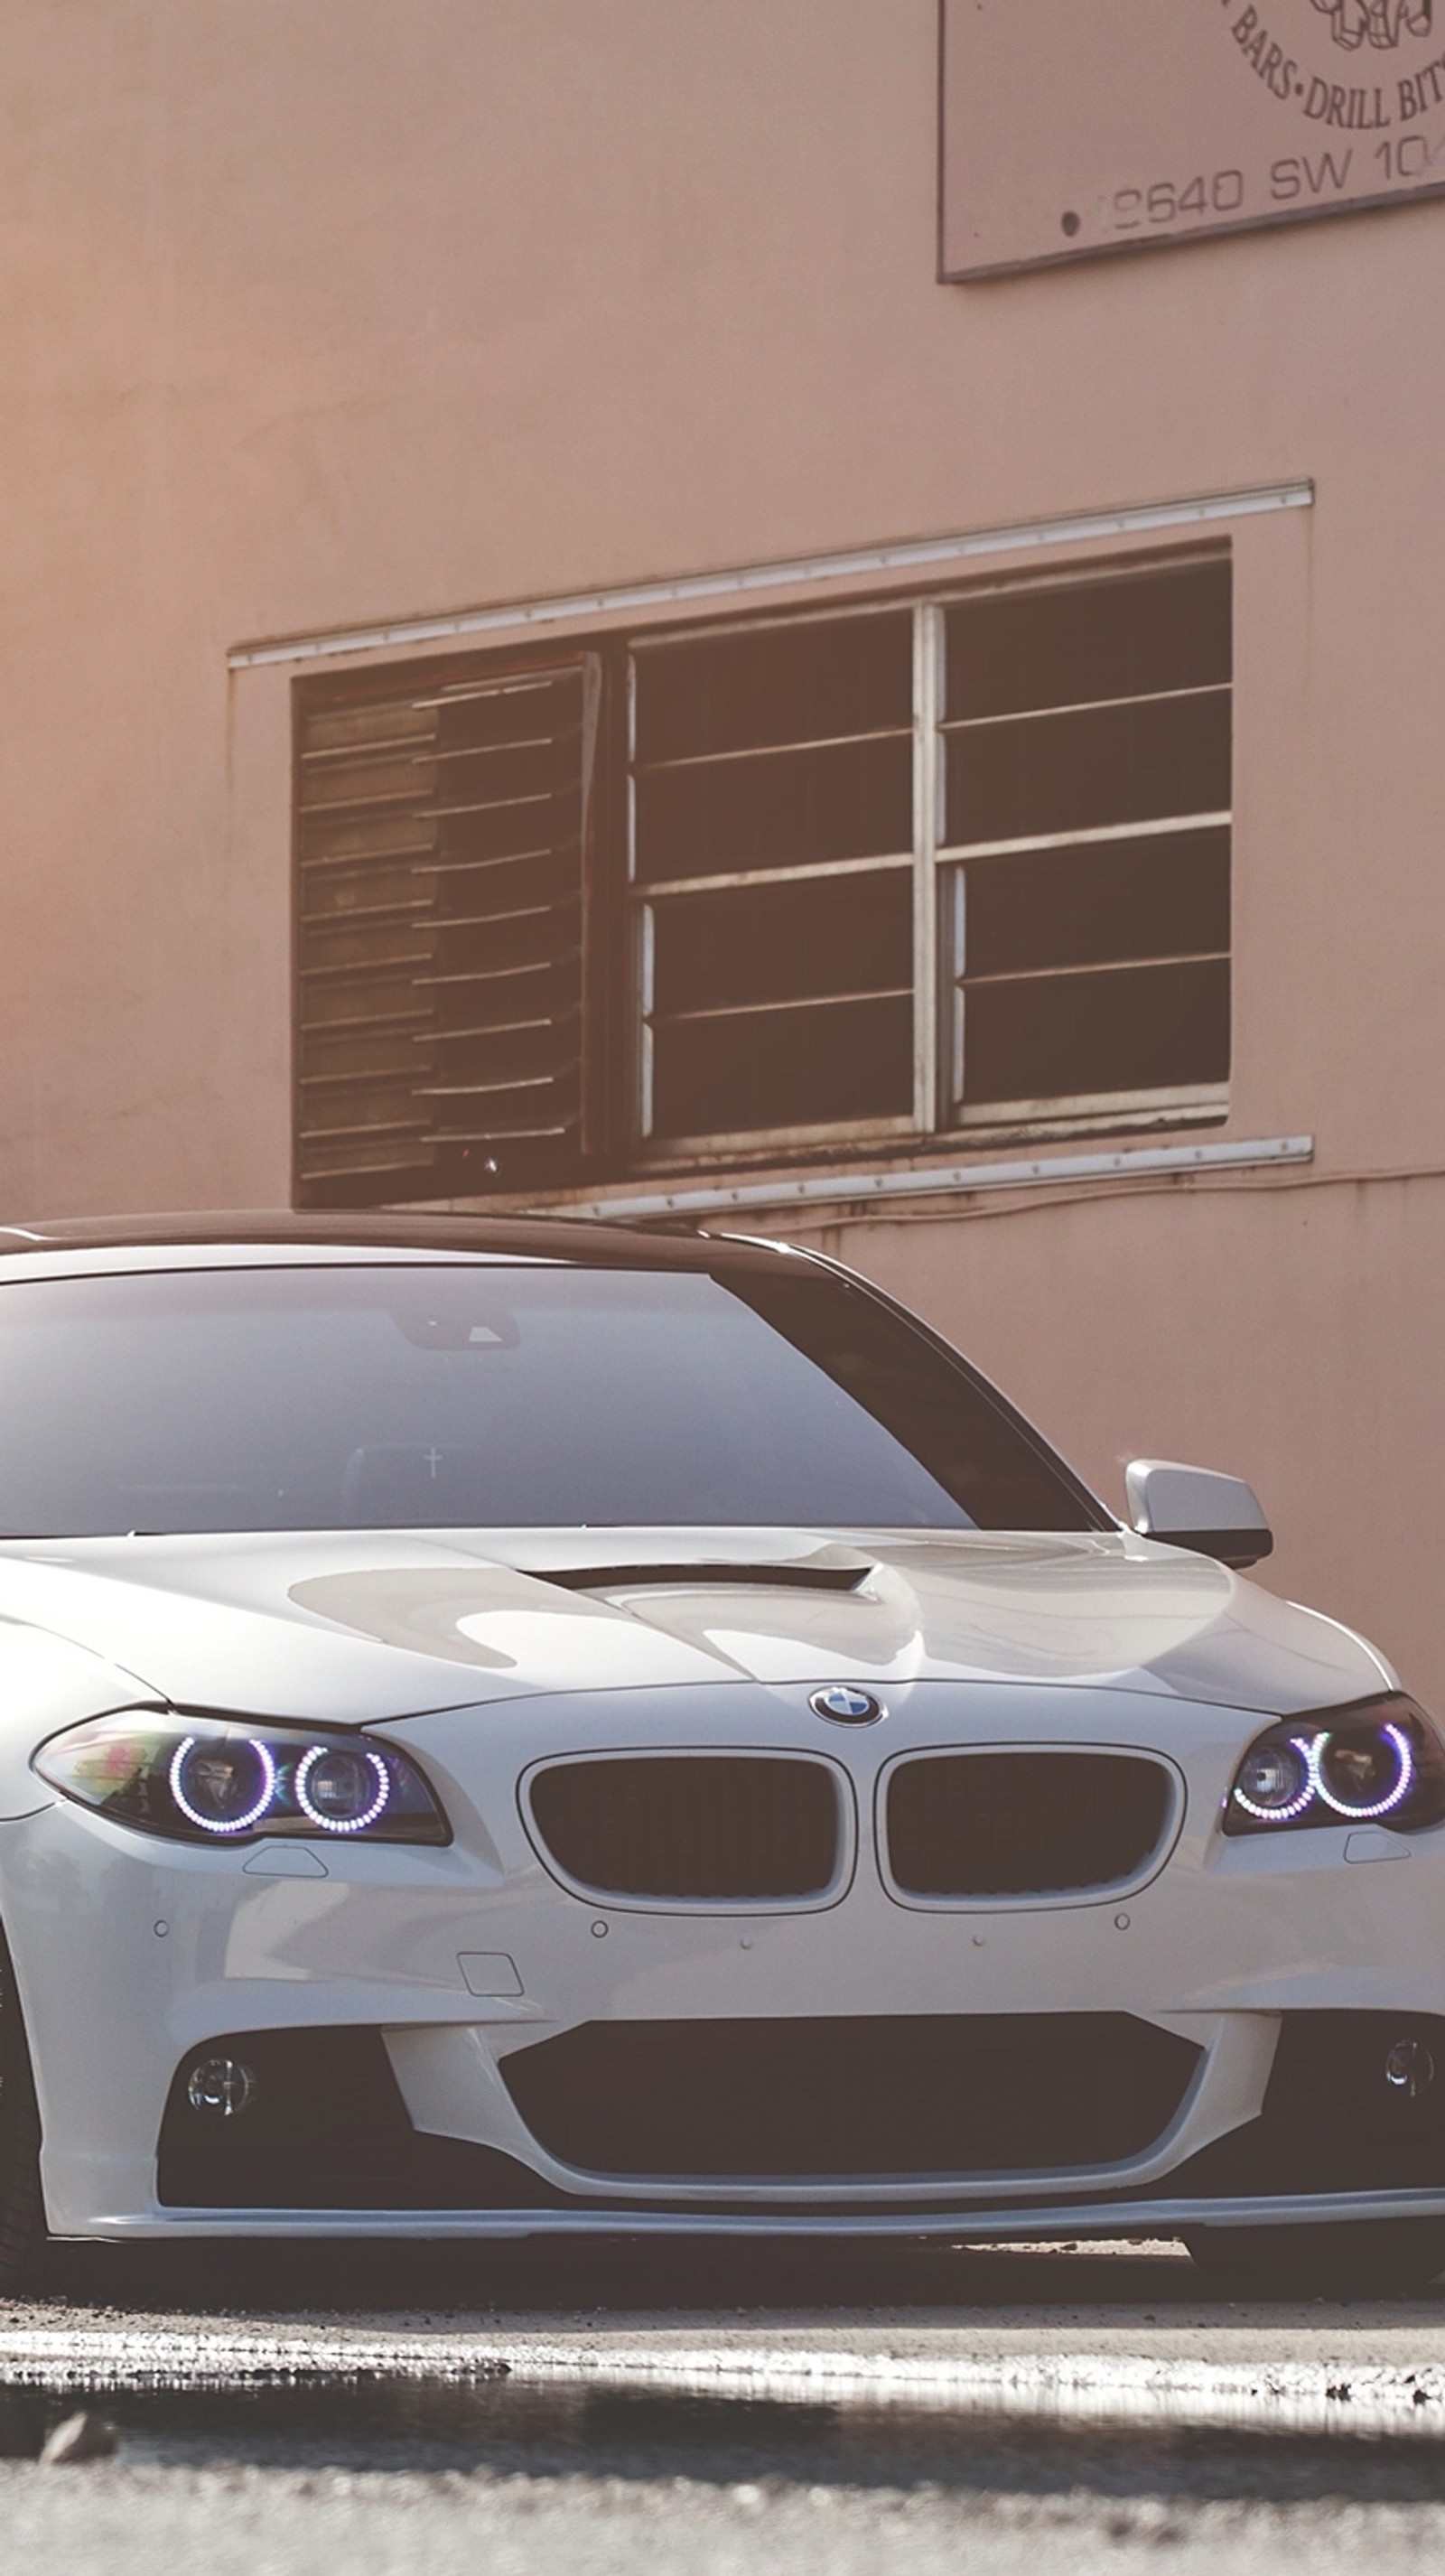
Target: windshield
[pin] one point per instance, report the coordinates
(484, 1395)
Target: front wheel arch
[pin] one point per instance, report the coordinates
(22, 2205)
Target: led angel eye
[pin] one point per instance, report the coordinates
(1363, 1775)
(223, 1786)
(1275, 1782)
(138, 1769)
(341, 1791)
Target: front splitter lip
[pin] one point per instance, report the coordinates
(1108, 2220)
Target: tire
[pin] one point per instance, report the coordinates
(22, 2209)
(1364, 2258)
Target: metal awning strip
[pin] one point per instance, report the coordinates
(815, 573)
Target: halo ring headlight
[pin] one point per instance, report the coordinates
(1318, 1753)
(1378, 1760)
(205, 1780)
(341, 1824)
(222, 1824)
(1279, 1810)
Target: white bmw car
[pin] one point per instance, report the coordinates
(511, 1729)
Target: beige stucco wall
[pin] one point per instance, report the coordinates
(320, 311)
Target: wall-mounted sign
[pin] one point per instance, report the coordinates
(1071, 127)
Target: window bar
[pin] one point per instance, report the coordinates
(631, 842)
(772, 750)
(645, 969)
(1081, 836)
(1087, 706)
(723, 883)
(1100, 966)
(955, 880)
(590, 1119)
(928, 636)
(641, 942)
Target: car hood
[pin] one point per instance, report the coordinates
(364, 1628)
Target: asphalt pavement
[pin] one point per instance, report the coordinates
(610, 2410)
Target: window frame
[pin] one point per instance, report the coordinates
(618, 1139)
(641, 895)
(940, 1110)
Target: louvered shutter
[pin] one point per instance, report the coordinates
(442, 838)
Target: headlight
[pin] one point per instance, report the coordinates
(202, 1782)
(1378, 1763)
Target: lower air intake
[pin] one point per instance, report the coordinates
(894, 2096)
(691, 1828)
(1056, 1823)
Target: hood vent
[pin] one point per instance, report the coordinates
(705, 1577)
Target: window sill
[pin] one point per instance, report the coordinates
(1010, 1122)
(861, 1169)
(860, 1192)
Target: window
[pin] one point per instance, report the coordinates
(772, 878)
(1085, 845)
(813, 884)
(495, 1394)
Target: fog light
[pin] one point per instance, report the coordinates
(221, 2086)
(1410, 2069)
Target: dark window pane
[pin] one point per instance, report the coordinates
(1140, 1029)
(1062, 773)
(1105, 639)
(978, 1452)
(1085, 907)
(783, 1068)
(779, 943)
(794, 683)
(851, 801)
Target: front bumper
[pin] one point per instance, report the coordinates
(134, 1955)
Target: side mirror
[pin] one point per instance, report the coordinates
(1188, 1507)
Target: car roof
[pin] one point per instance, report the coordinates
(587, 1242)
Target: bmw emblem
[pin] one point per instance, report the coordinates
(847, 1706)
